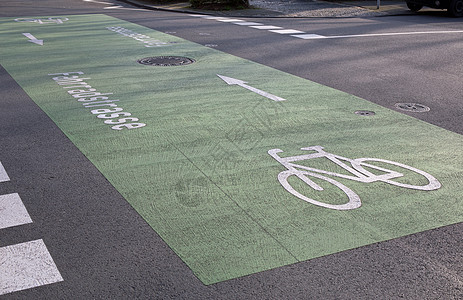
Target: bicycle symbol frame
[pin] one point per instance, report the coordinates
(355, 166)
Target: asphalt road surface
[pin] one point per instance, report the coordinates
(86, 212)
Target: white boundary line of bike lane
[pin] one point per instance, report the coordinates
(311, 36)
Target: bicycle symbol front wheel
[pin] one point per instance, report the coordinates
(354, 199)
(432, 182)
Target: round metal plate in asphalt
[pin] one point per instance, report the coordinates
(415, 107)
(166, 61)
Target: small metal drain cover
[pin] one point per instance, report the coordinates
(166, 61)
(415, 107)
(365, 113)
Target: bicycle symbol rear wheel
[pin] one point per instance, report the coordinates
(354, 199)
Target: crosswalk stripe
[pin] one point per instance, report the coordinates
(12, 211)
(3, 175)
(26, 265)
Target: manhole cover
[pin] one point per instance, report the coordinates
(415, 107)
(166, 61)
(365, 112)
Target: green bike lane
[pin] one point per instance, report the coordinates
(190, 152)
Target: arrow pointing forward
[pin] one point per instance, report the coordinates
(233, 81)
(33, 39)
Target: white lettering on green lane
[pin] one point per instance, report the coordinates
(92, 98)
(148, 41)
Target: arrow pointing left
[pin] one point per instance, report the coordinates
(33, 39)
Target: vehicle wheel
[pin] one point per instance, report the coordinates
(414, 7)
(456, 8)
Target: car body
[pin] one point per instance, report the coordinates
(454, 7)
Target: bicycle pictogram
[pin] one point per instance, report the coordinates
(50, 20)
(357, 169)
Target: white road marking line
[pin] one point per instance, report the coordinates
(248, 23)
(266, 27)
(255, 25)
(99, 2)
(26, 265)
(12, 211)
(314, 36)
(286, 31)
(212, 18)
(309, 36)
(3, 175)
(230, 20)
(126, 8)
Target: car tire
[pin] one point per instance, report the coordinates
(456, 8)
(414, 7)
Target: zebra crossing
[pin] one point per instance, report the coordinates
(24, 265)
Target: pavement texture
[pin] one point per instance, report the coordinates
(293, 8)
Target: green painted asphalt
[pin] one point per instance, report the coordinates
(190, 153)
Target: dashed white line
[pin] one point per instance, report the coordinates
(248, 23)
(208, 17)
(26, 265)
(99, 2)
(266, 27)
(229, 20)
(309, 36)
(286, 31)
(12, 211)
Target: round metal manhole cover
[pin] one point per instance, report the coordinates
(365, 113)
(166, 61)
(415, 107)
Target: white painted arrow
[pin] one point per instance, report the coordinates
(33, 39)
(233, 81)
